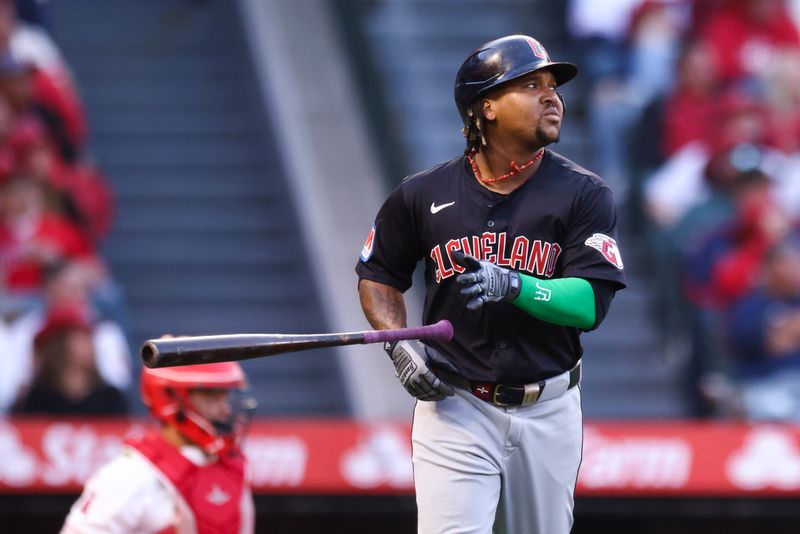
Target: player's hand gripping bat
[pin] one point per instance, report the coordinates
(188, 350)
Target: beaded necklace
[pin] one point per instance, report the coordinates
(515, 169)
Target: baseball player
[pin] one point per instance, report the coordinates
(188, 477)
(520, 255)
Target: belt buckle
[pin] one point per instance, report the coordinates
(531, 394)
(496, 402)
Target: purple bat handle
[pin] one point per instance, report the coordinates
(442, 330)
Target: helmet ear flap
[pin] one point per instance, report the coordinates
(563, 103)
(180, 415)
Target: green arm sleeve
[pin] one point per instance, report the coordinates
(562, 301)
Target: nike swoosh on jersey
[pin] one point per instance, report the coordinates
(437, 209)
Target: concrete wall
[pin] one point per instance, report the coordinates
(333, 174)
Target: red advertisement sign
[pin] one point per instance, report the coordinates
(679, 459)
(346, 457)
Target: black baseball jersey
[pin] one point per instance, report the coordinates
(560, 223)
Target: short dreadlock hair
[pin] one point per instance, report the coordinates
(472, 128)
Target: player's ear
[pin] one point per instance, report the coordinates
(487, 108)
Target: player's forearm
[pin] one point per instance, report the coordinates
(562, 301)
(383, 305)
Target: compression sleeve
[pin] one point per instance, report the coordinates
(562, 301)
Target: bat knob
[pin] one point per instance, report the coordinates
(447, 329)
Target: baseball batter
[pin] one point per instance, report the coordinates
(520, 255)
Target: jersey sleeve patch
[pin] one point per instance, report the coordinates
(607, 247)
(366, 252)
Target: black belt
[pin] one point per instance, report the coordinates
(507, 394)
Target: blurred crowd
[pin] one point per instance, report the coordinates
(63, 343)
(695, 113)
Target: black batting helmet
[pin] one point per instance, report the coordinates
(503, 60)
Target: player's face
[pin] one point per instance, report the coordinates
(212, 404)
(529, 108)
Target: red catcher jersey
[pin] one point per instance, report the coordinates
(561, 223)
(149, 490)
(213, 491)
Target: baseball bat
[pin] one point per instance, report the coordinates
(190, 350)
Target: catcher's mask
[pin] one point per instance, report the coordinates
(167, 394)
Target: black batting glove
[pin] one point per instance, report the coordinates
(484, 281)
(410, 359)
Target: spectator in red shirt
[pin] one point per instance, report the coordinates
(31, 237)
(725, 264)
(680, 183)
(760, 225)
(721, 268)
(33, 91)
(28, 49)
(16, 131)
(689, 109)
(81, 191)
(746, 34)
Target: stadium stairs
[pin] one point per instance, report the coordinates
(205, 240)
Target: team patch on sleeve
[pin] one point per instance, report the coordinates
(607, 247)
(366, 252)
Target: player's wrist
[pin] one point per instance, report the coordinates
(514, 286)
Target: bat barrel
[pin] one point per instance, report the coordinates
(149, 353)
(191, 350)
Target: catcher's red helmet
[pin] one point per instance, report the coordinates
(165, 392)
(503, 60)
